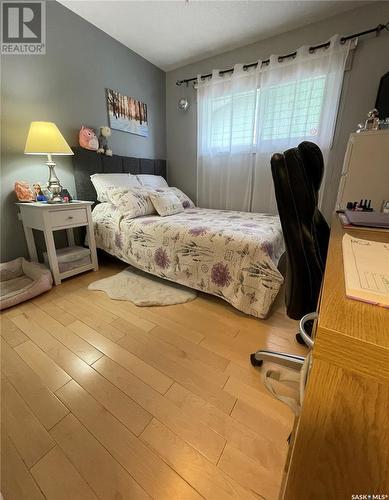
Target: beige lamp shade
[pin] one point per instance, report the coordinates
(44, 138)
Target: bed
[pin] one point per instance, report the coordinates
(232, 255)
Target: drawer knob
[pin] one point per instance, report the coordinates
(70, 217)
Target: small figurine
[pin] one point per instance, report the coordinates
(23, 191)
(103, 141)
(384, 124)
(361, 128)
(65, 195)
(373, 120)
(39, 196)
(87, 139)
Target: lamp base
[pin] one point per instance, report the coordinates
(53, 184)
(55, 199)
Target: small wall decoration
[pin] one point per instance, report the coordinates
(183, 104)
(127, 114)
(23, 191)
(87, 138)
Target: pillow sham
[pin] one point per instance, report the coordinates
(132, 202)
(154, 181)
(184, 199)
(166, 203)
(102, 182)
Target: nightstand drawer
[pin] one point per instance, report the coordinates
(62, 218)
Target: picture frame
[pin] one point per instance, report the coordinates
(127, 114)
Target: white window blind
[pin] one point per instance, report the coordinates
(292, 109)
(232, 120)
(287, 110)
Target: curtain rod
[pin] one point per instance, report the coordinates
(312, 49)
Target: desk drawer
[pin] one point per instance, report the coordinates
(62, 218)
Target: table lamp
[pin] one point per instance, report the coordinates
(44, 138)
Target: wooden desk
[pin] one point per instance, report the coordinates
(341, 445)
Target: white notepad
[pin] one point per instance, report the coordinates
(366, 270)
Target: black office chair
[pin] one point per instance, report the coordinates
(297, 175)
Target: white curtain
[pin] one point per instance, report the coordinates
(245, 117)
(226, 125)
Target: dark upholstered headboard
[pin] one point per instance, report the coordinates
(87, 163)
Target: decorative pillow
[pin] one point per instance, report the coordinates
(166, 203)
(184, 199)
(131, 203)
(102, 182)
(154, 181)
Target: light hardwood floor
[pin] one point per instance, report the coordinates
(105, 400)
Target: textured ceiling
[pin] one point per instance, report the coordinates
(171, 34)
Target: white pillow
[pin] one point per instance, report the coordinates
(184, 198)
(102, 182)
(132, 202)
(166, 203)
(154, 181)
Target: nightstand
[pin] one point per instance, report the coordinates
(48, 217)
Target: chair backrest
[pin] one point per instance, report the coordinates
(297, 175)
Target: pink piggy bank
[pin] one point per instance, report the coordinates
(87, 139)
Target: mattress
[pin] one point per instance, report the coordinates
(232, 255)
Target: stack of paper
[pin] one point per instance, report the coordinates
(366, 270)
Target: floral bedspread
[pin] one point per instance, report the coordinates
(233, 255)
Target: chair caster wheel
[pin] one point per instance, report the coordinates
(300, 339)
(254, 361)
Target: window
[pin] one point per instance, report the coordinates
(247, 116)
(288, 110)
(232, 120)
(292, 109)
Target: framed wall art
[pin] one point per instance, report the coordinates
(127, 114)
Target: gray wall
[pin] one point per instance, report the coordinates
(67, 86)
(371, 61)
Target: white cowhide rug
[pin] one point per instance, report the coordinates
(143, 289)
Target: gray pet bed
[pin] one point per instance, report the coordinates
(21, 280)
